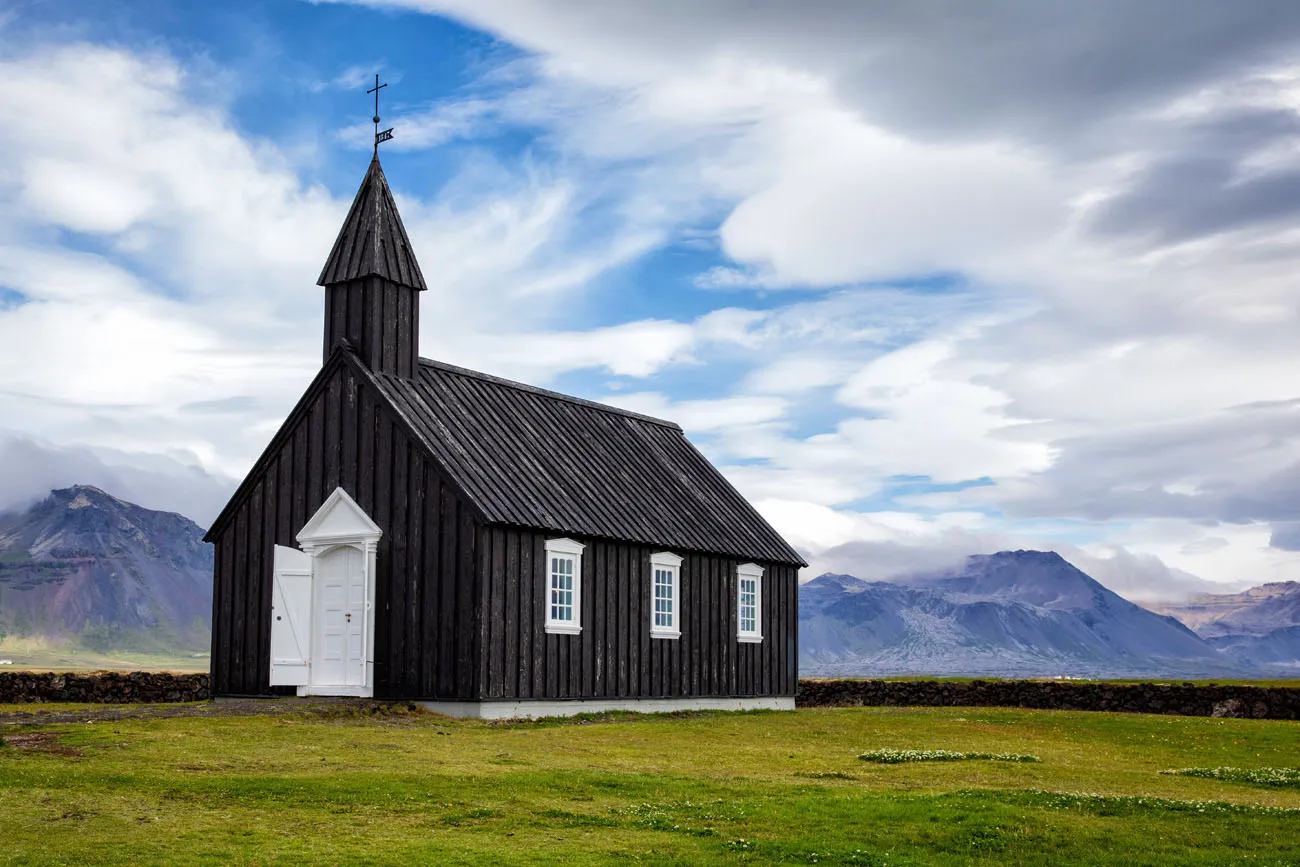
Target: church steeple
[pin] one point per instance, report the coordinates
(372, 282)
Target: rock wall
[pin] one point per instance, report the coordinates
(1249, 702)
(18, 687)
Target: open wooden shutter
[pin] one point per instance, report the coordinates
(291, 618)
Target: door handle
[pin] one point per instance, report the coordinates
(348, 615)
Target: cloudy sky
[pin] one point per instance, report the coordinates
(923, 279)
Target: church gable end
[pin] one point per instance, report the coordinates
(343, 434)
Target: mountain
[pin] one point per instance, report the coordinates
(1279, 648)
(84, 567)
(1257, 611)
(1260, 626)
(1014, 613)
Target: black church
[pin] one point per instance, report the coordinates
(420, 531)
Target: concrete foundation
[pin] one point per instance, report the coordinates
(542, 708)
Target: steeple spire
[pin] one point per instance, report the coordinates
(373, 283)
(373, 240)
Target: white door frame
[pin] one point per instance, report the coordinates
(341, 522)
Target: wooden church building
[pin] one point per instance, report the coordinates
(419, 531)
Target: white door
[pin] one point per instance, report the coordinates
(340, 617)
(291, 618)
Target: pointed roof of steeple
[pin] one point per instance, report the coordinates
(373, 241)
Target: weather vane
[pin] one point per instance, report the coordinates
(388, 133)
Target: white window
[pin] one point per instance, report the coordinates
(749, 602)
(564, 585)
(665, 596)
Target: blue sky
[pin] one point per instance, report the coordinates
(924, 281)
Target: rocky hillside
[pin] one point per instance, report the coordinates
(1260, 626)
(1015, 613)
(85, 567)
(1257, 611)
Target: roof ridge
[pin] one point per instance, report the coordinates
(546, 392)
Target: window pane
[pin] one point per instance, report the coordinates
(562, 589)
(663, 597)
(747, 605)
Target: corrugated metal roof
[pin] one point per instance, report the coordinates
(536, 458)
(373, 240)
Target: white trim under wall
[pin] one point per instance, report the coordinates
(544, 708)
(341, 691)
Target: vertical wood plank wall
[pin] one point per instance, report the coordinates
(379, 318)
(426, 639)
(614, 655)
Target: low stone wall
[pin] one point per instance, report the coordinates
(1250, 702)
(17, 687)
(1190, 700)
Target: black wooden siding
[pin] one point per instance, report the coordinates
(614, 655)
(380, 319)
(342, 434)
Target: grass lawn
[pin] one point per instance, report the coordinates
(35, 654)
(84, 661)
(763, 787)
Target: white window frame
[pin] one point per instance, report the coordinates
(750, 571)
(572, 550)
(666, 561)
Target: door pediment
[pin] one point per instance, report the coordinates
(339, 520)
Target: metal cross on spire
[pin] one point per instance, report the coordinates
(388, 133)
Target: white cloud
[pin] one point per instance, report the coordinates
(1234, 557)
(358, 76)
(853, 203)
(632, 349)
(172, 483)
(444, 122)
(720, 277)
(932, 418)
(799, 373)
(78, 197)
(705, 416)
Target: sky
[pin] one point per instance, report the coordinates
(923, 280)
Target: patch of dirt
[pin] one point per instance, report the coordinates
(74, 815)
(39, 742)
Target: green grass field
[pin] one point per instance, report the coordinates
(28, 654)
(406, 787)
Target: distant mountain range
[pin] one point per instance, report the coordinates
(1013, 614)
(85, 568)
(1260, 626)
